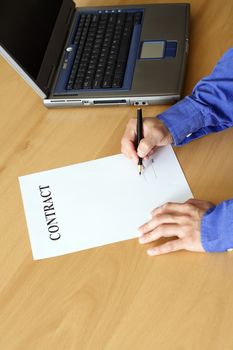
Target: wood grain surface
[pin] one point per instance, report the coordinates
(113, 297)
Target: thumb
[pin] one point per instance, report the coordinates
(145, 147)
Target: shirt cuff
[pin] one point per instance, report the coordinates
(183, 119)
(217, 228)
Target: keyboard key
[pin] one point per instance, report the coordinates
(117, 83)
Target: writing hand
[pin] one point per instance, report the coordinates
(155, 134)
(175, 219)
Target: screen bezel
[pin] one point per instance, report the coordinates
(52, 54)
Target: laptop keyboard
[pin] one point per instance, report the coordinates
(103, 41)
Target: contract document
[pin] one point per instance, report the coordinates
(98, 202)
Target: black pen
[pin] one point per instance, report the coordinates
(139, 137)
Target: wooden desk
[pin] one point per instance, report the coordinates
(114, 297)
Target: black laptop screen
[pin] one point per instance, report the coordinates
(25, 30)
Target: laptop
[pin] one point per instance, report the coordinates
(94, 56)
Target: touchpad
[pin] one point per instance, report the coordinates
(152, 49)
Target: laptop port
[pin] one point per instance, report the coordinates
(107, 102)
(140, 103)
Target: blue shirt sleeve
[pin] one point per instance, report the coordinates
(208, 109)
(217, 228)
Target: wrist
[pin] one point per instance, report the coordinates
(167, 137)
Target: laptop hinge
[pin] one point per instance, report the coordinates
(55, 47)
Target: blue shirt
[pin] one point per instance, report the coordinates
(208, 109)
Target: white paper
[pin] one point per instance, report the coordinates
(97, 202)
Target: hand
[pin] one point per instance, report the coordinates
(155, 134)
(175, 219)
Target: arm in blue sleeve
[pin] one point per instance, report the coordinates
(208, 109)
(217, 228)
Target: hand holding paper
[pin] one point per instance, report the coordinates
(182, 220)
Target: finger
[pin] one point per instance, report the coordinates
(166, 230)
(128, 140)
(145, 146)
(169, 207)
(128, 149)
(131, 131)
(165, 248)
(151, 152)
(157, 221)
(201, 204)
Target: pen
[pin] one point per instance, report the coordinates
(139, 137)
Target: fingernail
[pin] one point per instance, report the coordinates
(151, 251)
(154, 211)
(142, 239)
(140, 154)
(140, 230)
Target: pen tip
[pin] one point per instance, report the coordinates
(140, 169)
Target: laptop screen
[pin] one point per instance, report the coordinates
(25, 29)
